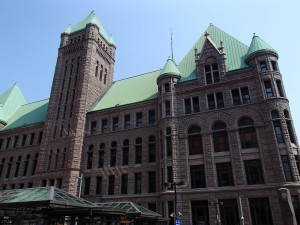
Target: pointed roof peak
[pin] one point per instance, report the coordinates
(90, 19)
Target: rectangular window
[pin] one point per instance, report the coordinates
(138, 183)
(124, 184)
(187, 106)
(169, 145)
(211, 101)
(151, 182)
(197, 176)
(224, 173)
(40, 137)
(111, 185)
(113, 157)
(1, 143)
(138, 154)
(87, 184)
(93, 127)
(126, 121)
(268, 89)
(167, 87)
(274, 65)
(139, 119)
(215, 100)
(287, 168)
(263, 66)
(125, 156)
(279, 88)
(101, 159)
(235, 93)
(152, 152)
(229, 211)
(200, 212)
(253, 170)
(245, 95)
(24, 137)
(98, 185)
(220, 100)
(16, 141)
(170, 174)
(7, 143)
(278, 131)
(103, 125)
(167, 108)
(212, 73)
(89, 161)
(151, 117)
(260, 211)
(196, 104)
(115, 124)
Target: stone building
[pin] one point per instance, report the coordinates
(216, 127)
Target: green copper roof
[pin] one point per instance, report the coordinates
(234, 49)
(41, 196)
(10, 101)
(27, 115)
(130, 208)
(258, 45)
(90, 19)
(130, 90)
(169, 68)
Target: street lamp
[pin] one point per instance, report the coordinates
(176, 215)
(217, 204)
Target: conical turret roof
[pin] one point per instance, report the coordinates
(90, 19)
(258, 45)
(170, 68)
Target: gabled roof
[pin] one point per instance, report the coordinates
(40, 197)
(90, 19)
(170, 68)
(258, 45)
(28, 114)
(10, 101)
(130, 208)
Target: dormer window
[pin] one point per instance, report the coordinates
(212, 73)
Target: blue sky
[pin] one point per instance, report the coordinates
(141, 29)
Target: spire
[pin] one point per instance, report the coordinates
(258, 45)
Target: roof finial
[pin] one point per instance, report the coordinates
(206, 34)
(254, 35)
(172, 44)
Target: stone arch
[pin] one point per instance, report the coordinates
(218, 116)
(188, 122)
(238, 113)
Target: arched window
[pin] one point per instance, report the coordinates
(151, 149)
(289, 125)
(89, 162)
(220, 137)
(247, 133)
(125, 152)
(195, 140)
(96, 70)
(277, 127)
(101, 155)
(113, 153)
(138, 150)
(169, 141)
(9, 165)
(26, 163)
